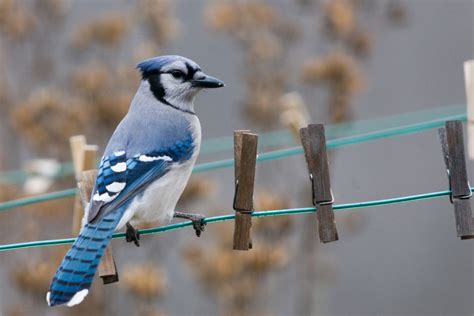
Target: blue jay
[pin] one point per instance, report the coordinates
(143, 172)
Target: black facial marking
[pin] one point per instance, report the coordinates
(191, 72)
(186, 77)
(159, 91)
(156, 87)
(147, 74)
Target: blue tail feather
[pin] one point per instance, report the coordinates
(75, 274)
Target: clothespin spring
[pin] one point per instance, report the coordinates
(311, 179)
(234, 204)
(460, 197)
(444, 148)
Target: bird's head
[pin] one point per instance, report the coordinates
(175, 80)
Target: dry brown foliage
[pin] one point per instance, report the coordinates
(397, 12)
(158, 19)
(273, 228)
(294, 113)
(339, 17)
(265, 35)
(235, 276)
(55, 9)
(361, 43)
(91, 79)
(144, 280)
(198, 187)
(110, 109)
(16, 21)
(150, 311)
(341, 73)
(15, 310)
(34, 276)
(46, 120)
(107, 91)
(108, 31)
(338, 69)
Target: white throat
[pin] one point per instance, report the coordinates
(180, 95)
(182, 101)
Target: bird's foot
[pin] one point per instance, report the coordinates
(197, 219)
(132, 234)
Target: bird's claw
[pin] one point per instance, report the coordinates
(198, 225)
(132, 234)
(198, 221)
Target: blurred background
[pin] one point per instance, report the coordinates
(67, 67)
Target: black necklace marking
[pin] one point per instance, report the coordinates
(159, 91)
(163, 100)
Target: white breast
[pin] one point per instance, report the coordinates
(159, 200)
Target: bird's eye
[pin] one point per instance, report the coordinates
(177, 73)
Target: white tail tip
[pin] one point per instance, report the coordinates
(78, 297)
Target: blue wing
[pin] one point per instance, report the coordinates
(120, 179)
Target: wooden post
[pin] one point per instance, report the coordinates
(87, 157)
(452, 144)
(314, 145)
(469, 80)
(245, 159)
(107, 267)
(77, 143)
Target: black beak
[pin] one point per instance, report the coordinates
(207, 82)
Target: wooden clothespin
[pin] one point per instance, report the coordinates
(314, 145)
(452, 144)
(469, 80)
(85, 160)
(245, 159)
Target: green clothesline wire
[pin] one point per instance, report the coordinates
(37, 199)
(340, 142)
(285, 137)
(229, 217)
(409, 128)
